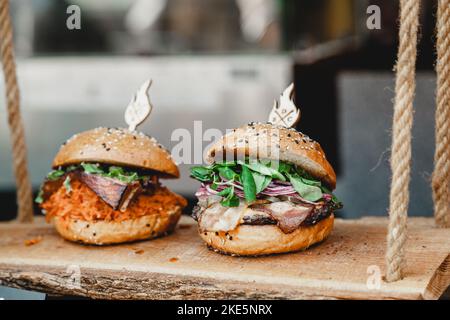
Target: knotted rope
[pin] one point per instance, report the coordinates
(19, 152)
(441, 174)
(401, 138)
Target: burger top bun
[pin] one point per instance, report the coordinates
(117, 147)
(267, 141)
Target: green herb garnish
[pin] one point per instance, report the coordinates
(55, 174)
(67, 185)
(261, 181)
(249, 185)
(202, 173)
(113, 172)
(263, 169)
(39, 198)
(92, 168)
(229, 198)
(255, 176)
(306, 191)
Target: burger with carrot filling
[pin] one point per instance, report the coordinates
(104, 188)
(267, 189)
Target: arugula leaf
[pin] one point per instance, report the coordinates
(227, 164)
(67, 185)
(263, 169)
(116, 171)
(337, 203)
(55, 174)
(230, 199)
(119, 174)
(249, 185)
(284, 167)
(128, 178)
(215, 181)
(91, 168)
(261, 181)
(202, 173)
(227, 173)
(306, 191)
(311, 182)
(39, 198)
(71, 168)
(225, 192)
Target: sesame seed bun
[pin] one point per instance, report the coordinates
(267, 141)
(117, 147)
(247, 240)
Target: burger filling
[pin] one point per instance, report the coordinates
(259, 193)
(94, 192)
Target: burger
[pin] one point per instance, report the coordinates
(104, 188)
(266, 189)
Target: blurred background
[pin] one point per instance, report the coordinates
(223, 62)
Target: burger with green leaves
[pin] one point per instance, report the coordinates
(267, 189)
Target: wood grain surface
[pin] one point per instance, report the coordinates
(180, 266)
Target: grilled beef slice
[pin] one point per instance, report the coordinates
(287, 215)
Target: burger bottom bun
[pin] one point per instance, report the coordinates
(111, 232)
(247, 240)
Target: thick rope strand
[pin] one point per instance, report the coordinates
(19, 152)
(401, 139)
(441, 174)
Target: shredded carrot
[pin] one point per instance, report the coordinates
(33, 241)
(82, 203)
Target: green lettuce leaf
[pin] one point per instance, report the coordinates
(230, 199)
(261, 181)
(227, 173)
(306, 191)
(249, 185)
(263, 169)
(255, 176)
(55, 174)
(39, 198)
(92, 168)
(202, 173)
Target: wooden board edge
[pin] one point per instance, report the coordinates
(114, 284)
(439, 282)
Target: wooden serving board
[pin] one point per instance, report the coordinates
(180, 266)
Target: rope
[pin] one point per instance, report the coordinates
(401, 138)
(19, 153)
(441, 174)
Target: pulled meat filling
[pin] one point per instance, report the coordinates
(81, 202)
